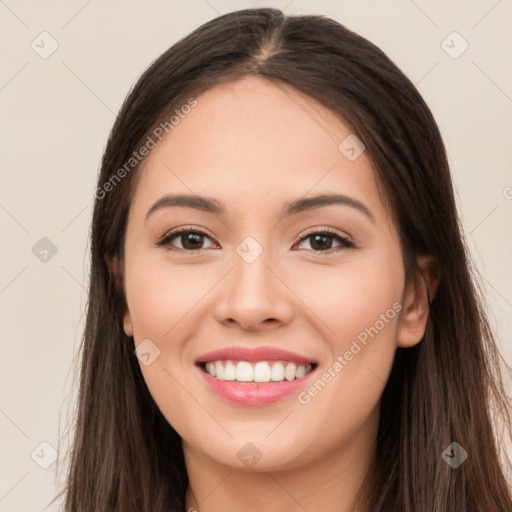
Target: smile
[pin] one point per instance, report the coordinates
(255, 376)
(256, 371)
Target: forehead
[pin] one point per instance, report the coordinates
(254, 141)
(256, 119)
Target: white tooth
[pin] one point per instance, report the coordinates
(277, 372)
(289, 373)
(210, 368)
(244, 371)
(301, 371)
(229, 371)
(262, 372)
(219, 370)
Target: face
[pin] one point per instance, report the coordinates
(303, 297)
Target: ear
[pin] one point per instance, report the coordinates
(115, 272)
(418, 294)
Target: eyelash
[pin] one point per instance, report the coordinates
(345, 243)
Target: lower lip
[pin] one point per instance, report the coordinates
(248, 393)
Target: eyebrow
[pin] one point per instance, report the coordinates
(210, 205)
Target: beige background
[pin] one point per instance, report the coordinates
(56, 116)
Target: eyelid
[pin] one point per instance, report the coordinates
(163, 239)
(331, 231)
(343, 239)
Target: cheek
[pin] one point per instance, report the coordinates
(353, 297)
(362, 309)
(161, 301)
(365, 299)
(360, 306)
(158, 296)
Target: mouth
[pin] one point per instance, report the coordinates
(255, 376)
(256, 372)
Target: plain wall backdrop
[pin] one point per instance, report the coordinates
(66, 68)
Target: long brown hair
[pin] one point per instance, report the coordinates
(448, 388)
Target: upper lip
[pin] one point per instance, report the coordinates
(254, 354)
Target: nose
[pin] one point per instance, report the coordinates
(254, 296)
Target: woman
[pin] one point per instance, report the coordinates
(281, 313)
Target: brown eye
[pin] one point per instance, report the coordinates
(188, 239)
(323, 241)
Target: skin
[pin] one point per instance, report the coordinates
(253, 145)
